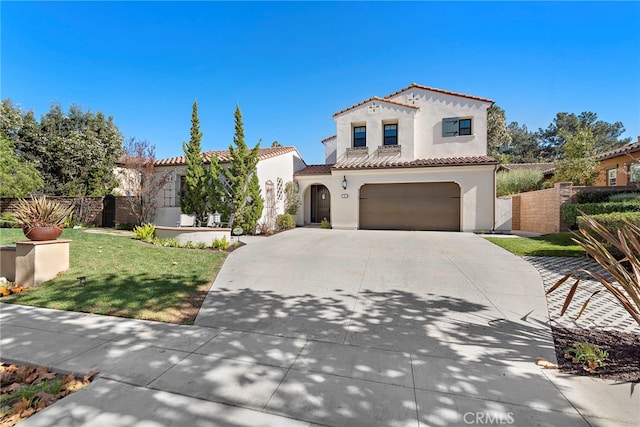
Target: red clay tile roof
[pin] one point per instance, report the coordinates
(223, 156)
(375, 98)
(545, 168)
(433, 89)
(419, 163)
(315, 170)
(625, 149)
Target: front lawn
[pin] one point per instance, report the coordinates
(125, 277)
(559, 244)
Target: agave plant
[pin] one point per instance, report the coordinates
(41, 212)
(599, 242)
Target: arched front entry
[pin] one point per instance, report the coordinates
(320, 203)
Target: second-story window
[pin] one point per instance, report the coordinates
(465, 127)
(360, 136)
(391, 134)
(455, 126)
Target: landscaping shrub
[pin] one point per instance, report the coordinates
(518, 181)
(600, 244)
(570, 213)
(8, 220)
(221, 244)
(325, 223)
(144, 232)
(596, 196)
(612, 221)
(125, 226)
(623, 197)
(286, 221)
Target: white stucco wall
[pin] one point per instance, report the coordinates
(419, 130)
(435, 106)
(503, 214)
(330, 148)
(282, 166)
(476, 192)
(374, 121)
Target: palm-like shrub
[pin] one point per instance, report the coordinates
(600, 243)
(41, 212)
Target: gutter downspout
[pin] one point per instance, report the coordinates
(495, 199)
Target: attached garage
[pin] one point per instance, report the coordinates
(410, 206)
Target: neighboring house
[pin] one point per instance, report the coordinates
(413, 160)
(276, 166)
(548, 169)
(619, 167)
(128, 180)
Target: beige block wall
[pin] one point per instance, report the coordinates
(38, 262)
(8, 262)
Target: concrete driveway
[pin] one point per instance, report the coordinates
(394, 327)
(441, 294)
(326, 327)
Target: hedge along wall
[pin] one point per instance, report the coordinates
(570, 213)
(88, 210)
(540, 211)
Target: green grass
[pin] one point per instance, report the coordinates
(559, 244)
(125, 277)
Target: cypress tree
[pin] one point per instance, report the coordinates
(194, 199)
(218, 196)
(244, 199)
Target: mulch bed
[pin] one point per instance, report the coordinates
(623, 363)
(26, 390)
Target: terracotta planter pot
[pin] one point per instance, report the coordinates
(42, 233)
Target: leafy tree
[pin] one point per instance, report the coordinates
(497, 134)
(139, 179)
(241, 179)
(11, 122)
(606, 135)
(194, 199)
(276, 144)
(578, 163)
(291, 198)
(523, 147)
(75, 152)
(17, 178)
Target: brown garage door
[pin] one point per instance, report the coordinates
(415, 206)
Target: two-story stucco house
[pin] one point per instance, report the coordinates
(413, 160)
(276, 166)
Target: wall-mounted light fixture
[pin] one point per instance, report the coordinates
(344, 182)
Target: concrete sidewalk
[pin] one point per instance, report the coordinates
(345, 335)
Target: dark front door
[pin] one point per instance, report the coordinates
(320, 203)
(109, 211)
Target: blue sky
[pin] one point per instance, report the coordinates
(291, 65)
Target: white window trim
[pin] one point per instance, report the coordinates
(612, 177)
(631, 167)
